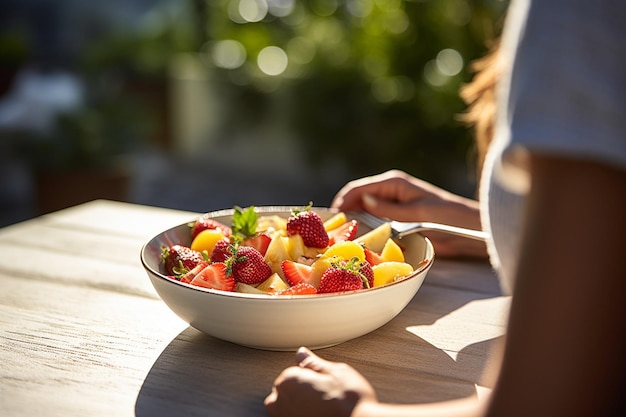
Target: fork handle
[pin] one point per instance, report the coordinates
(405, 228)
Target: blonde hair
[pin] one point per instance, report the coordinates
(480, 97)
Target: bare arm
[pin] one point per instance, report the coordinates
(565, 341)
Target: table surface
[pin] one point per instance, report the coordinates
(83, 333)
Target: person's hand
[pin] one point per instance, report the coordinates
(317, 387)
(399, 196)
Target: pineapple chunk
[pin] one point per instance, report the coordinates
(273, 225)
(276, 253)
(247, 288)
(295, 247)
(375, 239)
(335, 221)
(273, 284)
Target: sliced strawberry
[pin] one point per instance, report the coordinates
(204, 223)
(214, 276)
(299, 289)
(191, 274)
(372, 257)
(260, 242)
(346, 231)
(296, 273)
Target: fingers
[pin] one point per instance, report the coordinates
(392, 186)
(309, 360)
(349, 198)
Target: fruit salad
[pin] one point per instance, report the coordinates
(273, 255)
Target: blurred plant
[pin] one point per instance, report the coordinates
(371, 84)
(14, 51)
(98, 136)
(143, 51)
(367, 84)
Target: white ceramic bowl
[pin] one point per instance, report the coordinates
(284, 323)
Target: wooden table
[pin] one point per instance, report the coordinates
(82, 332)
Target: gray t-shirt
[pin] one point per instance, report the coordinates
(565, 95)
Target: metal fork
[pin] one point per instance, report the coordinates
(401, 229)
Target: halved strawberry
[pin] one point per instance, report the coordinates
(372, 257)
(346, 231)
(204, 223)
(214, 276)
(299, 289)
(260, 242)
(296, 273)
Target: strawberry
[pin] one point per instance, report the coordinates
(260, 242)
(302, 288)
(188, 276)
(372, 257)
(204, 223)
(249, 267)
(178, 259)
(367, 271)
(345, 276)
(296, 273)
(346, 231)
(221, 251)
(310, 226)
(214, 276)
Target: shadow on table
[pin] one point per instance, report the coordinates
(197, 374)
(421, 372)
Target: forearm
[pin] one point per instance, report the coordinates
(565, 340)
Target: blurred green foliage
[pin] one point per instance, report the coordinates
(370, 84)
(364, 86)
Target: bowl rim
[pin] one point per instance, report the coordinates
(233, 294)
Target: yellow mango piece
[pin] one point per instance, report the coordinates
(272, 284)
(346, 250)
(375, 239)
(206, 240)
(392, 252)
(388, 272)
(335, 221)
